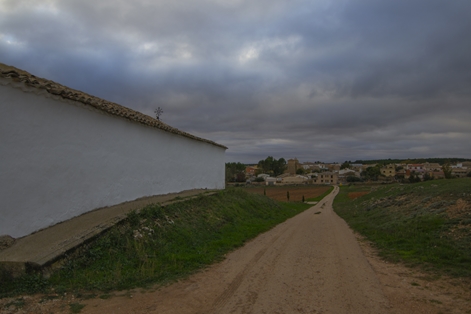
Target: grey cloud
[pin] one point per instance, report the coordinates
(313, 80)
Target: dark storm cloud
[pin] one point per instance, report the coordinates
(316, 80)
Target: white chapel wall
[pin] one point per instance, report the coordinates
(60, 158)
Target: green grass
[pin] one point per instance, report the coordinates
(320, 197)
(161, 244)
(415, 223)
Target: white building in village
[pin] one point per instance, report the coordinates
(64, 153)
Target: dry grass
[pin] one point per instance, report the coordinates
(461, 209)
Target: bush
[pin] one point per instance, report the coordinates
(353, 179)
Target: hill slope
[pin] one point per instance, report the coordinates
(426, 224)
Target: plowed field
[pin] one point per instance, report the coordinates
(296, 193)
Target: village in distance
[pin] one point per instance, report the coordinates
(272, 171)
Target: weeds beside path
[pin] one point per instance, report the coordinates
(160, 244)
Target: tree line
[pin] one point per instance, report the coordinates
(235, 171)
(440, 161)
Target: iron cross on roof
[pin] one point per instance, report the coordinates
(158, 113)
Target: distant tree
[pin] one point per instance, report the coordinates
(371, 173)
(240, 177)
(266, 165)
(272, 166)
(279, 166)
(300, 171)
(346, 164)
(428, 177)
(353, 179)
(235, 172)
(259, 179)
(414, 178)
(447, 170)
(469, 174)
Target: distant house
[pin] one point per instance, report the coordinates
(466, 164)
(417, 168)
(388, 170)
(308, 166)
(334, 167)
(437, 174)
(345, 173)
(459, 172)
(401, 173)
(319, 168)
(357, 167)
(326, 178)
(432, 167)
(298, 179)
(64, 153)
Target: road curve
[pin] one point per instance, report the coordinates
(311, 263)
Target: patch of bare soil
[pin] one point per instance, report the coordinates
(461, 209)
(354, 195)
(410, 290)
(296, 193)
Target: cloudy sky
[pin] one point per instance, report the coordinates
(317, 80)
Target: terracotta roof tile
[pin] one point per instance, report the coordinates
(54, 88)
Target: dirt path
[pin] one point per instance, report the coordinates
(312, 263)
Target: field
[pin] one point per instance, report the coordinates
(296, 193)
(424, 224)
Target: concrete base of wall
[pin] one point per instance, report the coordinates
(40, 251)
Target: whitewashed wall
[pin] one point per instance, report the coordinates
(61, 158)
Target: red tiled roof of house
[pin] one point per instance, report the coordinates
(54, 88)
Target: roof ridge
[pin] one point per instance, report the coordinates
(115, 109)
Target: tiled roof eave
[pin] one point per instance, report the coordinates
(54, 88)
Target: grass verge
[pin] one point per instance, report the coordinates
(426, 224)
(160, 244)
